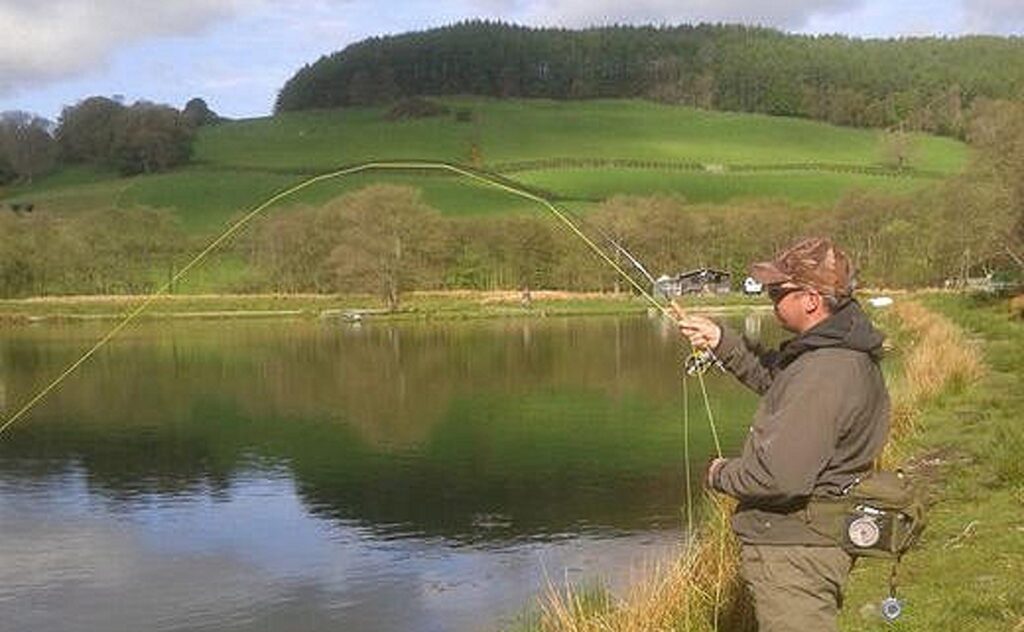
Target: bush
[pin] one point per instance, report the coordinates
(415, 107)
(150, 138)
(105, 252)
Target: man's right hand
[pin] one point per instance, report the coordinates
(712, 472)
(701, 331)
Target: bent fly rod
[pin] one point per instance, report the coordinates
(698, 359)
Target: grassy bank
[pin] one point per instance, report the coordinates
(955, 406)
(415, 305)
(967, 442)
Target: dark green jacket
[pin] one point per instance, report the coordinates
(822, 420)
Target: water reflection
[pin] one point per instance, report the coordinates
(257, 561)
(752, 325)
(244, 475)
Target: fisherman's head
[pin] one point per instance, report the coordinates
(807, 282)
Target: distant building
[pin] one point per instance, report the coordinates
(987, 284)
(699, 281)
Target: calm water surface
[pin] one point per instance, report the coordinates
(296, 475)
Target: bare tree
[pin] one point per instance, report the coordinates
(391, 242)
(26, 144)
(898, 149)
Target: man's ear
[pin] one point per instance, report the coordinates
(813, 302)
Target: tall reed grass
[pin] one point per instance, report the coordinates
(938, 358)
(701, 590)
(698, 591)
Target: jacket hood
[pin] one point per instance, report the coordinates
(848, 328)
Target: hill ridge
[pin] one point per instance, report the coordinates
(913, 83)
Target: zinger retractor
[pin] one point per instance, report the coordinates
(891, 609)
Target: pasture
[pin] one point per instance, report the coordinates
(625, 147)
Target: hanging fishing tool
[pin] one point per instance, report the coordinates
(892, 607)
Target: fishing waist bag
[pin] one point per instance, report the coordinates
(880, 514)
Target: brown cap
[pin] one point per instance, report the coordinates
(815, 263)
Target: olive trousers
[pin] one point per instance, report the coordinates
(795, 588)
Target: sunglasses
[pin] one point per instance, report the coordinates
(777, 292)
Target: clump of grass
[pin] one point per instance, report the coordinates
(1007, 448)
(941, 357)
(699, 591)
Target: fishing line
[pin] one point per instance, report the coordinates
(688, 487)
(696, 364)
(686, 457)
(711, 416)
(231, 230)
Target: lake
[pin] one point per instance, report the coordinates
(309, 475)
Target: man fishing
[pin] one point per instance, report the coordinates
(821, 422)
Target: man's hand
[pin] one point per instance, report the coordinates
(713, 467)
(702, 332)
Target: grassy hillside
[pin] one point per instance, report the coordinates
(523, 130)
(803, 187)
(632, 147)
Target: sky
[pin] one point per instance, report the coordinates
(236, 54)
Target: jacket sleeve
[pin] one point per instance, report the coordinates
(749, 363)
(791, 443)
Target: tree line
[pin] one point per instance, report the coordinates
(143, 137)
(99, 252)
(912, 83)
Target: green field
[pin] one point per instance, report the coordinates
(508, 131)
(802, 187)
(703, 156)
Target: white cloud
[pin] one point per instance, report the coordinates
(47, 41)
(994, 16)
(237, 53)
(787, 14)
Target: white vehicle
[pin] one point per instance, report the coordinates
(752, 286)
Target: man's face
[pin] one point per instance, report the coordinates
(792, 306)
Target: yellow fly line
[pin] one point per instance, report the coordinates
(241, 223)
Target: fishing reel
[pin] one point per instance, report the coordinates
(701, 361)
